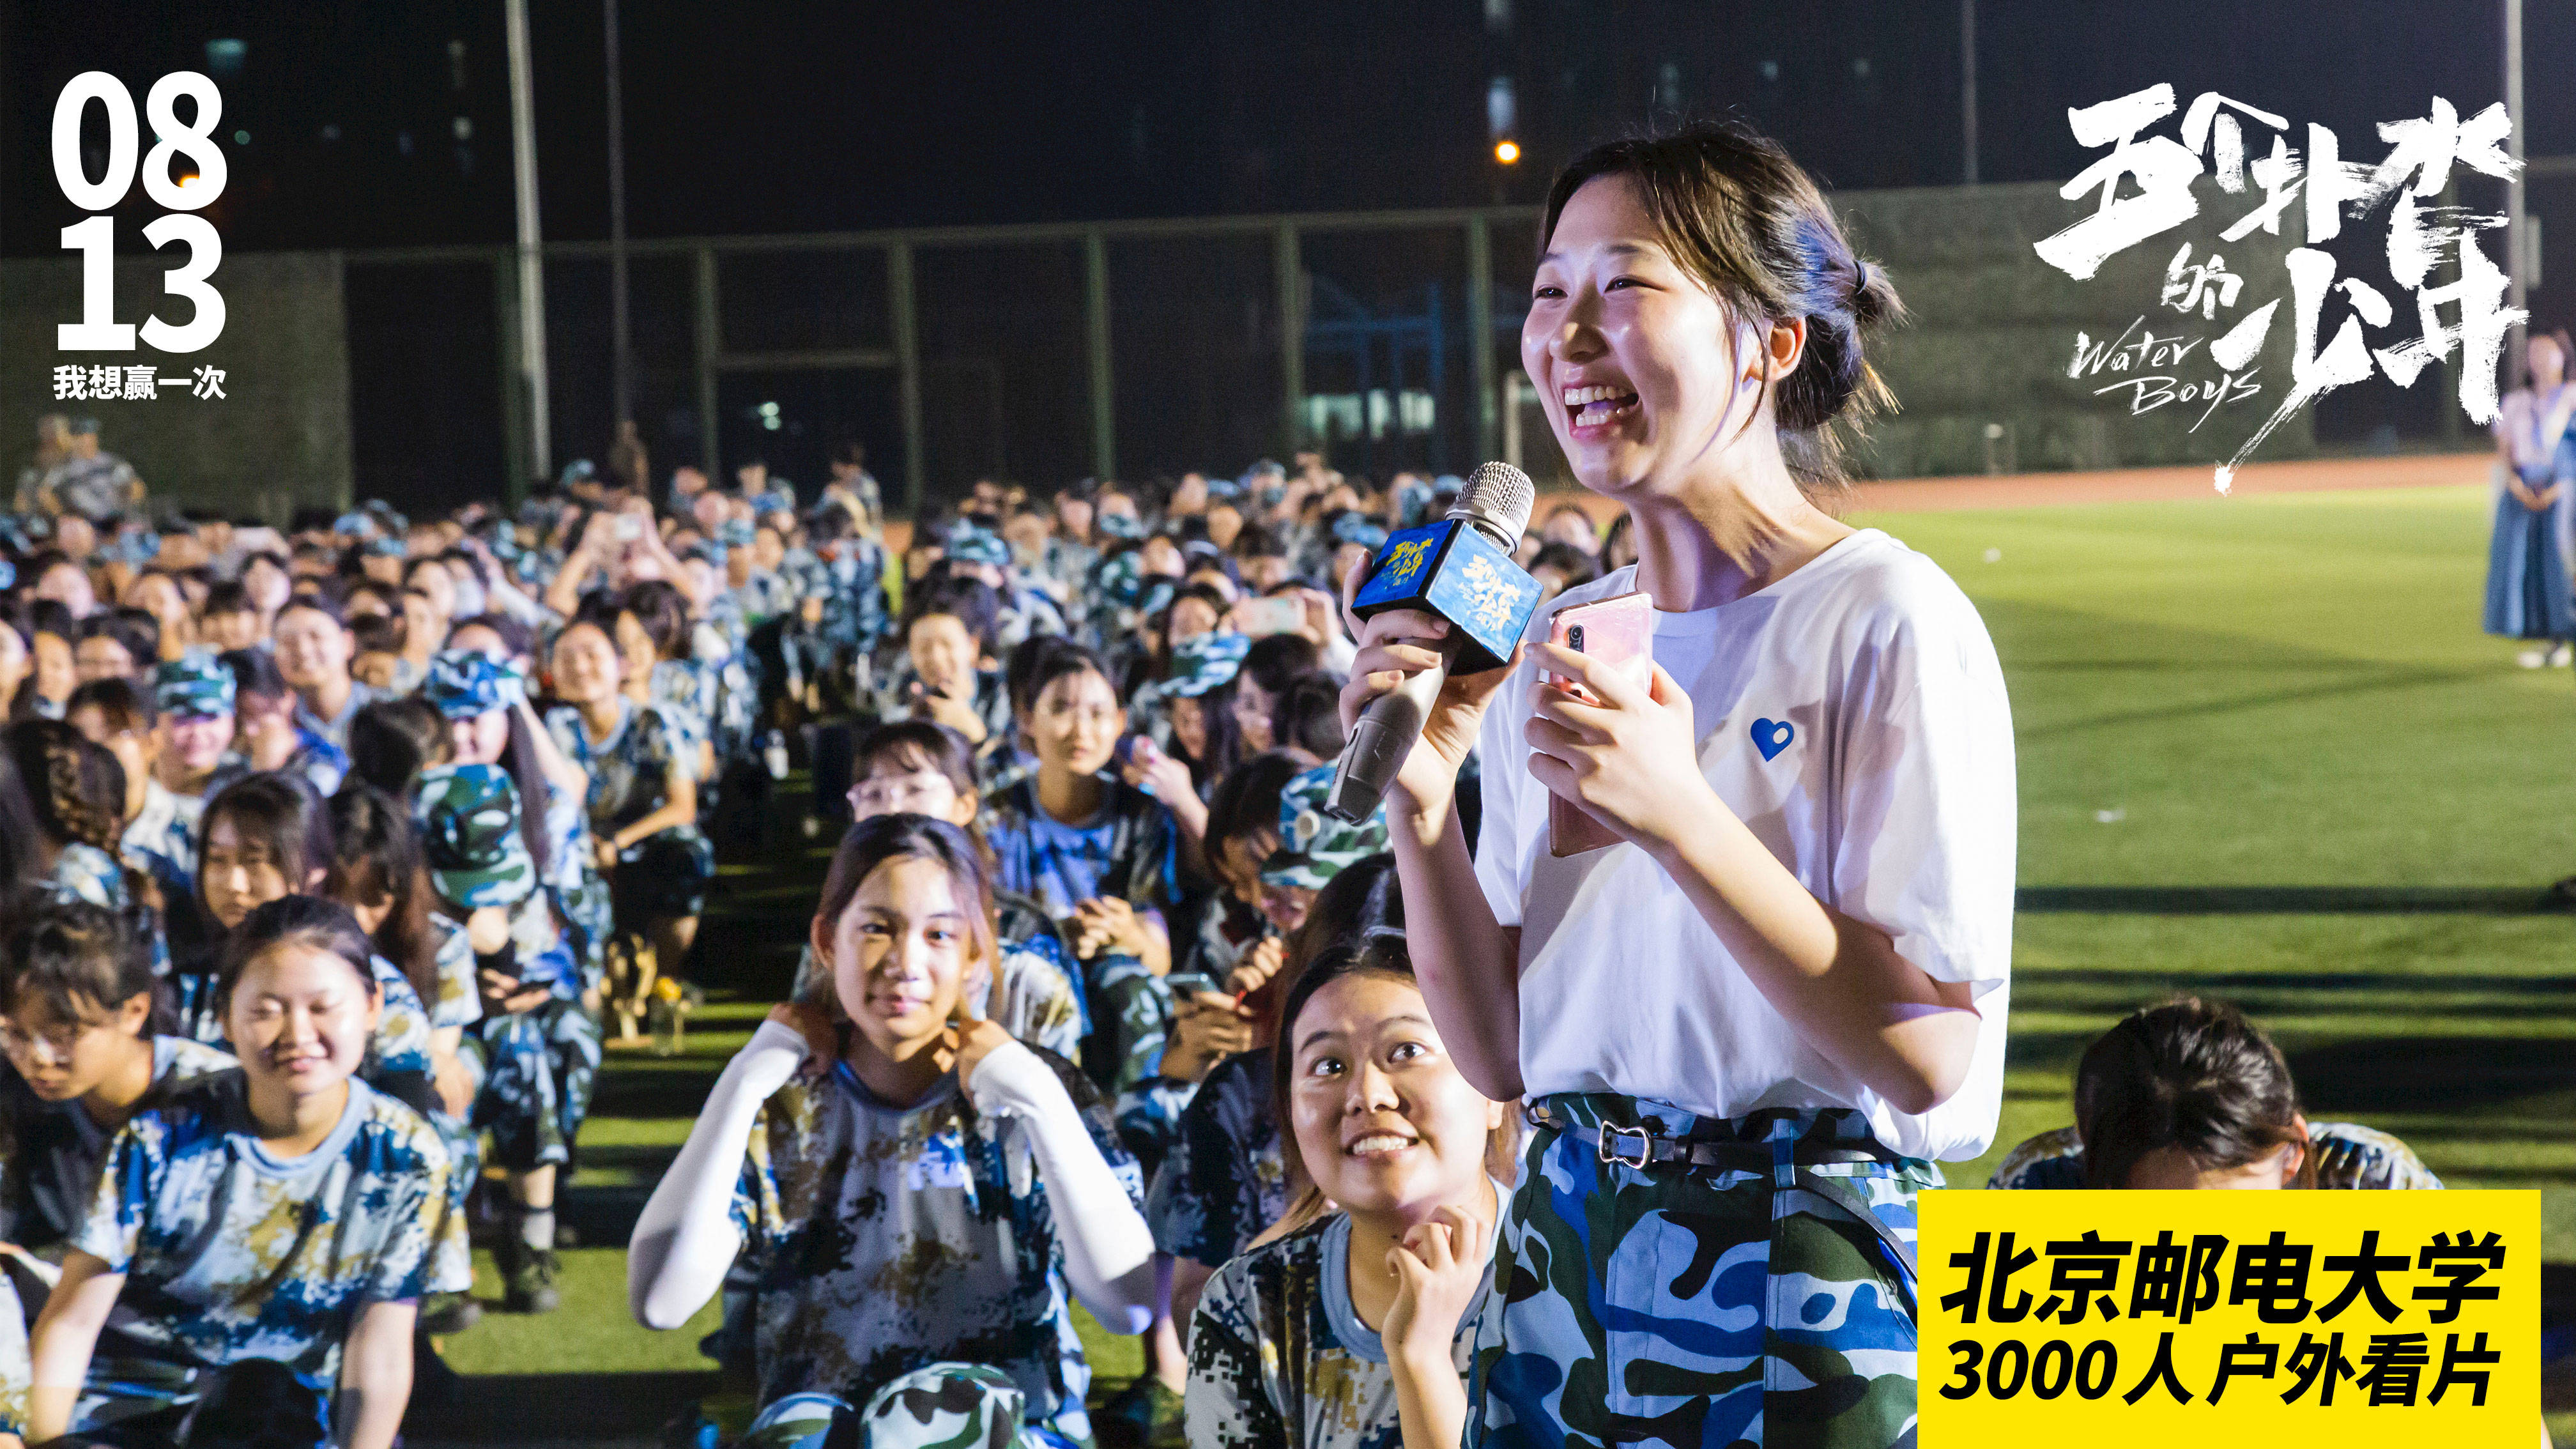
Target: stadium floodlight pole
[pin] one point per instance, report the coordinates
(532, 270)
(622, 348)
(1968, 87)
(2517, 231)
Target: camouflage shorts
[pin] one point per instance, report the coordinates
(943, 1406)
(1760, 1300)
(537, 1067)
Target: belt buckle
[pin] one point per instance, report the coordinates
(1645, 1145)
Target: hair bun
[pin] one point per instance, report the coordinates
(1869, 281)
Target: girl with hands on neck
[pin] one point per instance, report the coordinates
(915, 1181)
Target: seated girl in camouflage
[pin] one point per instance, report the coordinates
(276, 1223)
(75, 1008)
(643, 792)
(536, 1047)
(1224, 1178)
(945, 673)
(1188, 753)
(2189, 1094)
(916, 767)
(268, 836)
(1355, 1329)
(1097, 854)
(481, 698)
(192, 702)
(377, 872)
(918, 1190)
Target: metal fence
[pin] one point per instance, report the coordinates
(1045, 352)
(1038, 352)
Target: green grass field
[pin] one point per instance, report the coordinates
(2265, 755)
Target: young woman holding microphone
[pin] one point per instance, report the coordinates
(1744, 1030)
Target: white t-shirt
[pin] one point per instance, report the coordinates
(1887, 790)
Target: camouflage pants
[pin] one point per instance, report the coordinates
(943, 1406)
(537, 1068)
(1756, 1301)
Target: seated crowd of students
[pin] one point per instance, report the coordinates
(334, 858)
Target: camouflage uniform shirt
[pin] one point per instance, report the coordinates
(49, 1165)
(230, 1253)
(2349, 1155)
(1280, 1360)
(891, 1238)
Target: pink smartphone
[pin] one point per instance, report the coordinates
(1620, 631)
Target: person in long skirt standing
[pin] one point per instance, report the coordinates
(1747, 1029)
(2528, 594)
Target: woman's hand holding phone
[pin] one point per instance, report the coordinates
(1631, 761)
(1157, 774)
(1387, 657)
(1207, 1027)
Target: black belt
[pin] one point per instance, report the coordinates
(1639, 1148)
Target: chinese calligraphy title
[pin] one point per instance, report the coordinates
(2329, 190)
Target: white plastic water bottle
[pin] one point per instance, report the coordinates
(774, 754)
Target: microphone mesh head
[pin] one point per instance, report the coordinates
(1497, 497)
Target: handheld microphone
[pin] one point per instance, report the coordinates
(1462, 569)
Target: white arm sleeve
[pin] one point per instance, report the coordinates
(686, 1237)
(1108, 1250)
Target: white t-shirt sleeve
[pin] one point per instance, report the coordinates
(1925, 834)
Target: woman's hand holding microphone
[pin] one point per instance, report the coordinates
(1389, 655)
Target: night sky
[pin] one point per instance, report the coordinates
(759, 117)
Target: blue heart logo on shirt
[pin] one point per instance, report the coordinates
(1771, 736)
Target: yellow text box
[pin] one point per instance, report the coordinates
(2313, 1317)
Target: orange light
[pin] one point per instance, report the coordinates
(1507, 152)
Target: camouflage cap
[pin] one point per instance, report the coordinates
(979, 546)
(463, 684)
(132, 546)
(946, 1406)
(1204, 662)
(196, 683)
(1412, 502)
(1355, 527)
(1119, 578)
(470, 836)
(1120, 525)
(1313, 846)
